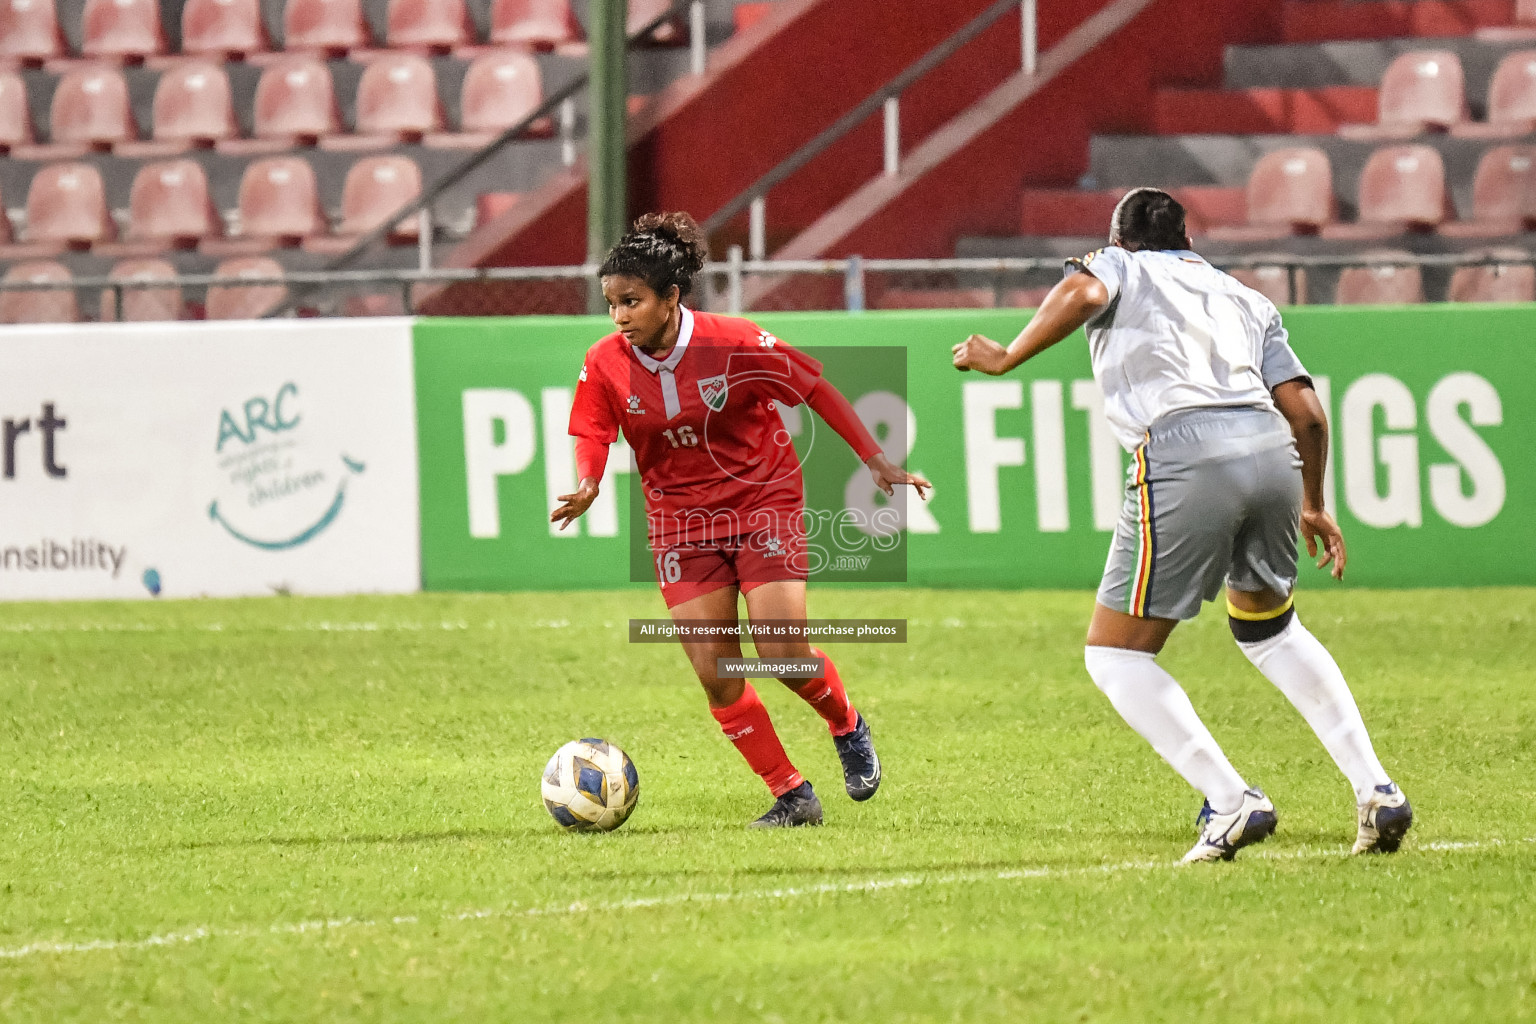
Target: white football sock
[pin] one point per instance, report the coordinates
(1153, 703)
(1298, 663)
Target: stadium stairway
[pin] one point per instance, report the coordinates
(1320, 78)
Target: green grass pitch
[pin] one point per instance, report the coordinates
(327, 810)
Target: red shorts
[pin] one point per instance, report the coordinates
(747, 561)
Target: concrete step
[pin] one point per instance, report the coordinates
(1125, 161)
(1262, 111)
(1318, 65)
(1304, 21)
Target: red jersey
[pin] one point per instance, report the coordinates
(704, 425)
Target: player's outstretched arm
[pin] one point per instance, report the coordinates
(1072, 303)
(1299, 404)
(591, 460)
(831, 405)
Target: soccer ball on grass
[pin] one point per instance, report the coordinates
(590, 786)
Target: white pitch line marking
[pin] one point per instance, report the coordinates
(644, 903)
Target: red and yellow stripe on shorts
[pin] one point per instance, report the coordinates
(1141, 583)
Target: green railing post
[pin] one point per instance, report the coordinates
(607, 177)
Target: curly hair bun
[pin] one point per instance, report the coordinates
(664, 250)
(683, 231)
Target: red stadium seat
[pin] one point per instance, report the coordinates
(396, 102)
(51, 306)
(1402, 188)
(192, 110)
(643, 12)
(295, 105)
(1379, 285)
(1421, 91)
(15, 117)
(223, 29)
(937, 298)
(1503, 194)
(537, 24)
(170, 206)
(500, 89)
(1511, 100)
(374, 304)
(245, 301)
(331, 27)
(127, 30)
(279, 206)
(375, 188)
(142, 304)
(1496, 282)
(67, 205)
(1290, 191)
(90, 111)
(1523, 29)
(1274, 283)
(29, 32)
(432, 26)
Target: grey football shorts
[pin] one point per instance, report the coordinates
(1212, 496)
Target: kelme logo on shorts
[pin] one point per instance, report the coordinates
(279, 488)
(713, 391)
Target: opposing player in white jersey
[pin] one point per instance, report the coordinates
(1228, 443)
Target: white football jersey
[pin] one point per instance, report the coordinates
(1180, 334)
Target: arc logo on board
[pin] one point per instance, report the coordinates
(280, 485)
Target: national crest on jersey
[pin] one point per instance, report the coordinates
(714, 391)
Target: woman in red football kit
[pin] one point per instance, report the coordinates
(696, 396)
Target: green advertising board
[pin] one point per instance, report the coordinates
(1432, 408)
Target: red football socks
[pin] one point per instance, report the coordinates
(829, 698)
(746, 724)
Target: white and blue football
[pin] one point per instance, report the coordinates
(590, 786)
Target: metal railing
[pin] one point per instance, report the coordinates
(559, 105)
(754, 199)
(721, 281)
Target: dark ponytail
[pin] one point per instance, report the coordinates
(1149, 218)
(663, 250)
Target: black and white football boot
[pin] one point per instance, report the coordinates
(861, 765)
(797, 807)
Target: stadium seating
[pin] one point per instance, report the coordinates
(142, 304)
(1379, 285)
(1494, 283)
(375, 188)
(1275, 283)
(125, 30)
(245, 301)
(38, 306)
(500, 89)
(1402, 188)
(15, 118)
(67, 206)
(223, 29)
(1290, 191)
(328, 27)
(428, 26)
(279, 206)
(192, 110)
(90, 111)
(643, 12)
(1511, 100)
(1421, 91)
(1503, 194)
(169, 206)
(396, 102)
(29, 32)
(536, 24)
(295, 105)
